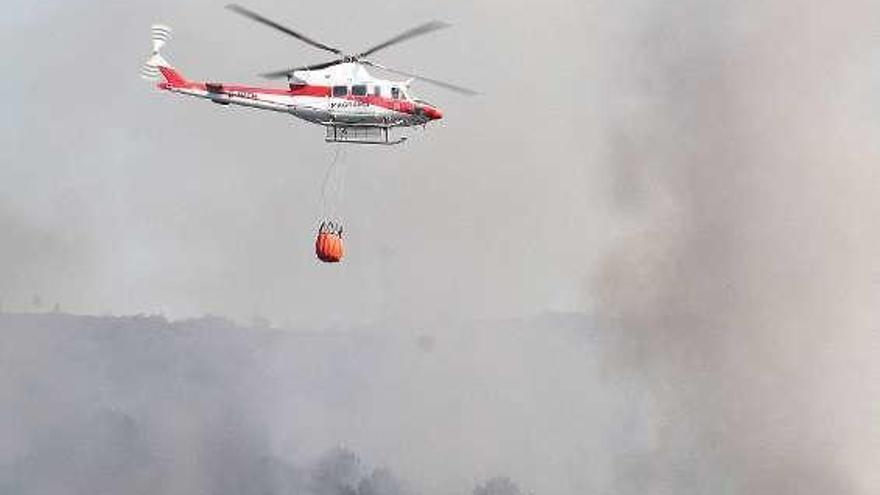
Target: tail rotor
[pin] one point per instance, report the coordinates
(160, 35)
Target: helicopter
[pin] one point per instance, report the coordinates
(341, 95)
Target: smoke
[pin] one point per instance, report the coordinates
(143, 405)
(743, 154)
(498, 486)
(45, 258)
(138, 405)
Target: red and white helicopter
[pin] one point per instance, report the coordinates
(340, 95)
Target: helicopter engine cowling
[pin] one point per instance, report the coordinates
(217, 94)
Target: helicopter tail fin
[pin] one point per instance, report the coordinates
(156, 66)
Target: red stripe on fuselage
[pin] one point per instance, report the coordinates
(402, 106)
(305, 90)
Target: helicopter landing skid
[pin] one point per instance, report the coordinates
(356, 134)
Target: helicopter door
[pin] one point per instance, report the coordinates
(395, 96)
(363, 108)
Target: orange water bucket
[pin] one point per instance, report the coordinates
(328, 245)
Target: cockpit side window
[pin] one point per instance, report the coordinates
(340, 91)
(395, 92)
(359, 90)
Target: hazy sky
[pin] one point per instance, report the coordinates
(124, 199)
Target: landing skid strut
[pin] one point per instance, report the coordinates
(357, 134)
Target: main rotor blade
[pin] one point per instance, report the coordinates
(408, 34)
(286, 72)
(446, 85)
(257, 17)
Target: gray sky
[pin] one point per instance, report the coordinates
(130, 200)
(697, 176)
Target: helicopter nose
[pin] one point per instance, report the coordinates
(433, 113)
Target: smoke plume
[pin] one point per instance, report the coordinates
(741, 290)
